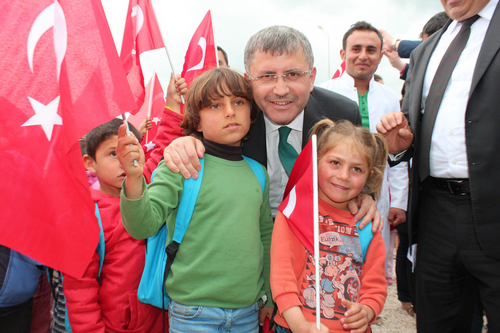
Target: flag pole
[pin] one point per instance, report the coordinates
(151, 91)
(165, 45)
(128, 133)
(316, 228)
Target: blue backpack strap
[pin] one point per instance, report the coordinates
(153, 175)
(258, 171)
(101, 245)
(187, 202)
(365, 237)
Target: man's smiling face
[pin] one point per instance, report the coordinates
(281, 101)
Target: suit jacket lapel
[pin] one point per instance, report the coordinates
(419, 70)
(312, 113)
(256, 147)
(491, 45)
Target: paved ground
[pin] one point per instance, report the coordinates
(394, 318)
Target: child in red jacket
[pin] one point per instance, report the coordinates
(111, 304)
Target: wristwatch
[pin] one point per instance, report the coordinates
(395, 45)
(262, 301)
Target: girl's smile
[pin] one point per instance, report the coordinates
(342, 174)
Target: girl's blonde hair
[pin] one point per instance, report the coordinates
(209, 86)
(372, 147)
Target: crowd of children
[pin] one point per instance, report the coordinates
(227, 271)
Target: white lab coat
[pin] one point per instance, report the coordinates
(381, 100)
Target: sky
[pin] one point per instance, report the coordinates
(234, 22)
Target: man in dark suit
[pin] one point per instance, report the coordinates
(279, 64)
(455, 185)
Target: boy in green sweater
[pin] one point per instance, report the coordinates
(220, 277)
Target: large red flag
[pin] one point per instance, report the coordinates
(202, 51)
(339, 71)
(298, 203)
(141, 34)
(61, 76)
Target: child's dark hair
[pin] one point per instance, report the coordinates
(209, 86)
(101, 133)
(372, 147)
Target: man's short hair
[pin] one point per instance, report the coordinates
(101, 133)
(224, 54)
(278, 40)
(434, 24)
(364, 26)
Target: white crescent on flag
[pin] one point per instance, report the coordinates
(203, 44)
(292, 201)
(138, 14)
(52, 16)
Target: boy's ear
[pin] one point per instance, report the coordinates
(89, 163)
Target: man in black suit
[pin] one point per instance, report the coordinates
(279, 64)
(455, 185)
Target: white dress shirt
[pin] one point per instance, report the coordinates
(448, 155)
(277, 173)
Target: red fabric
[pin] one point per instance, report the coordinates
(300, 189)
(113, 306)
(48, 200)
(141, 34)
(168, 130)
(157, 101)
(289, 259)
(339, 71)
(202, 51)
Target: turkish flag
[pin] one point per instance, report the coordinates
(298, 203)
(154, 98)
(339, 71)
(141, 34)
(153, 106)
(202, 51)
(61, 77)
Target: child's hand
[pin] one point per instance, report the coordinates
(298, 323)
(176, 88)
(145, 126)
(128, 150)
(266, 311)
(357, 316)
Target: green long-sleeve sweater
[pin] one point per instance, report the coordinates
(223, 260)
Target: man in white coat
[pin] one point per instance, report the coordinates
(362, 52)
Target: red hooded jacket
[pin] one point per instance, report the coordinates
(113, 306)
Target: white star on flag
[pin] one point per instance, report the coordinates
(156, 120)
(150, 146)
(45, 116)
